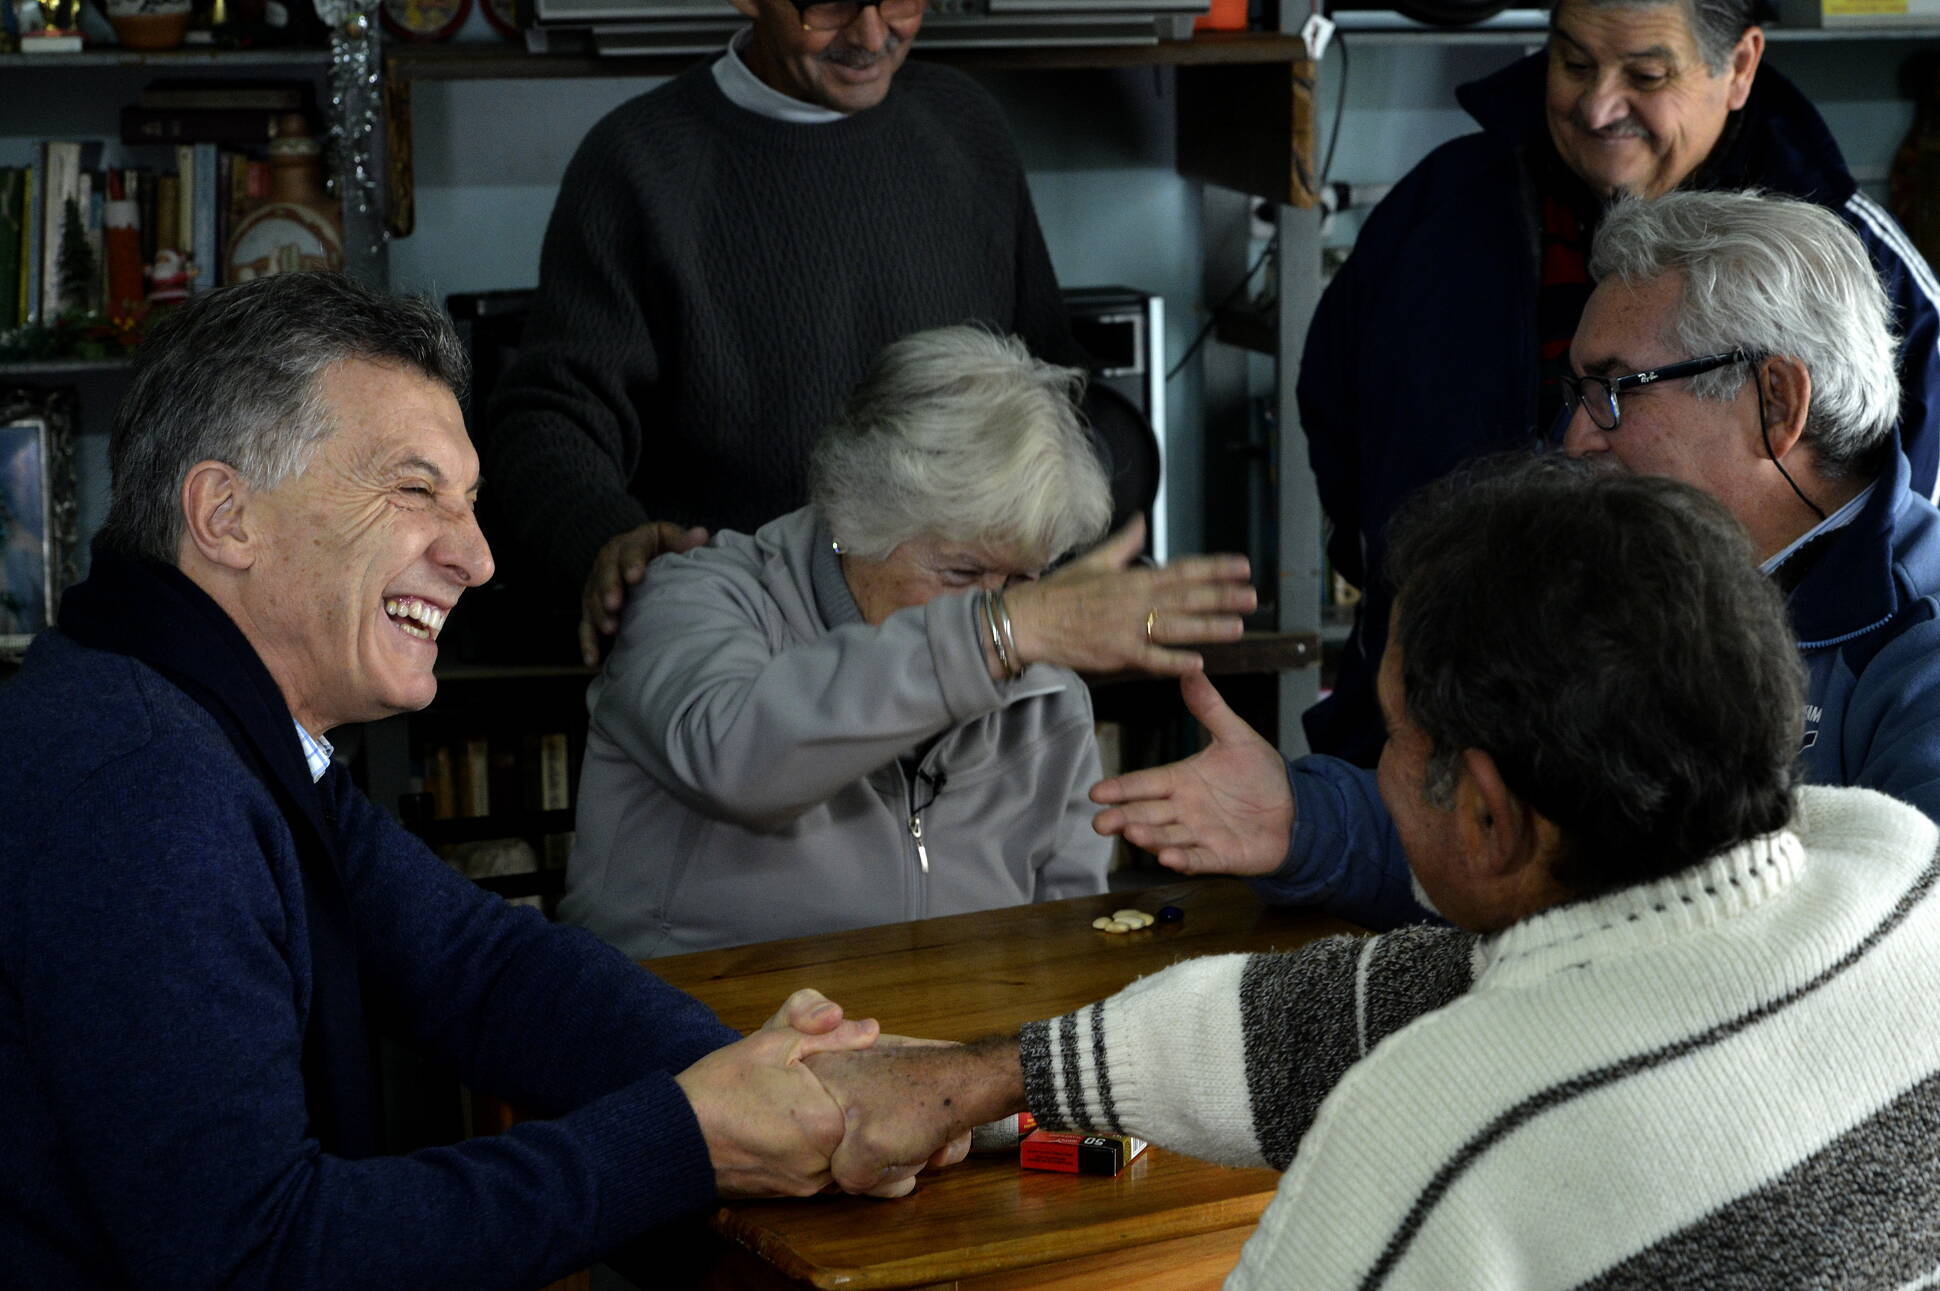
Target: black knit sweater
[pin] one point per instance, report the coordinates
(715, 282)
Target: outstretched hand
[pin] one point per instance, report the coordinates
(1102, 614)
(621, 564)
(1225, 810)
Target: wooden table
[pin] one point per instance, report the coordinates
(1167, 1221)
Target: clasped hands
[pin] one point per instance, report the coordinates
(814, 1101)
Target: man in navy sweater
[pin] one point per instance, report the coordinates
(204, 920)
(1738, 343)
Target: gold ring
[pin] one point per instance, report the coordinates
(1151, 619)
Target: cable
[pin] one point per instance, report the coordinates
(1758, 384)
(1272, 245)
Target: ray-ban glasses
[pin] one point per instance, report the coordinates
(1598, 395)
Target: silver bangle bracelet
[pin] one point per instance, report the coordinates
(1013, 662)
(989, 613)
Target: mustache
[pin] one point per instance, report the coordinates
(1627, 128)
(856, 59)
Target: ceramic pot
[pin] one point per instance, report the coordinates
(149, 24)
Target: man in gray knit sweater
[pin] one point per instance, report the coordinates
(727, 255)
(1683, 1032)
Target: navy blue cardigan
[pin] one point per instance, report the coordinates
(154, 987)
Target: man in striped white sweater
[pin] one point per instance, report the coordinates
(1682, 1032)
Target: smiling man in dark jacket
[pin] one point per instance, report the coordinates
(1442, 337)
(205, 919)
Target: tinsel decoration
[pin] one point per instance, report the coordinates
(356, 99)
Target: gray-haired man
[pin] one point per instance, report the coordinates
(1736, 342)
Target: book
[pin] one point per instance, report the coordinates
(34, 42)
(30, 247)
(94, 204)
(168, 215)
(139, 185)
(196, 125)
(440, 785)
(61, 174)
(474, 766)
(256, 96)
(121, 258)
(205, 247)
(13, 236)
(550, 786)
(184, 199)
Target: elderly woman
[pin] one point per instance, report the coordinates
(865, 712)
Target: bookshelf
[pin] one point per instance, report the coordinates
(79, 96)
(509, 741)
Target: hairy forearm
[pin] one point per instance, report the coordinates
(984, 1082)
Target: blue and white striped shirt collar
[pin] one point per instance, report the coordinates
(317, 751)
(1837, 520)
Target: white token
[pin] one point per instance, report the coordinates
(1117, 925)
(1102, 923)
(1137, 918)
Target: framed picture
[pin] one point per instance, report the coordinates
(37, 511)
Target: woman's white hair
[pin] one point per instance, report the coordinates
(957, 433)
(1772, 276)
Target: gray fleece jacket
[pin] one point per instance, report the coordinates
(761, 760)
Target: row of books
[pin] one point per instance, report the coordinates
(480, 775)
(483, 776)
(78, 238)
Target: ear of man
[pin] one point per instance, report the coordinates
(1786, 388)
(1507, 846)
(1743, 68)
(216, 515)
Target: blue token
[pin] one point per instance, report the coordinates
(1171, 914)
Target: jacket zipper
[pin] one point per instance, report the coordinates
(916, 832)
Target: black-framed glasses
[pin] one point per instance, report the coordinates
(834, 15)
(1598, 395)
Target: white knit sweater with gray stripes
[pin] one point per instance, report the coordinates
(1726, 1079)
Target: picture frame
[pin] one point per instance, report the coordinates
(37, 510)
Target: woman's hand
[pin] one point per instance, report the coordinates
(1101, 614)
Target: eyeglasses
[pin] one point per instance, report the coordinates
(834, 15)
(1598, 395)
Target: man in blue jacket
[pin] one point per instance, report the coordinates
(1739, 343)
(203, 916)
(1442, 337)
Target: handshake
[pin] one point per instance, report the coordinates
(814, 1101)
